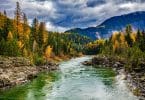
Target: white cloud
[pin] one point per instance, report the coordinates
(54, 28)
(63, 14)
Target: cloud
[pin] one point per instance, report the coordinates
(54, 28)
(60, 15)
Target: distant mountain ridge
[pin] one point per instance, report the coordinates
(116, 23)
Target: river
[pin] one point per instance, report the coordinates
(74, 81)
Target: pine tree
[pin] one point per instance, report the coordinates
(138, 35)
(26, 29)
(18, 13)
(34, 33)
(128, 29)
(10, 36)
(7, 25)
(128, 36)
(141, 42)
(35, 29)
(41, 34)
(5, 13)
(18, 18)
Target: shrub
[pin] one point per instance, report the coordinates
(38, 60)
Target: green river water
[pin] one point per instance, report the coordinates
(74, 81)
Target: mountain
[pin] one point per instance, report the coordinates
(117, 23)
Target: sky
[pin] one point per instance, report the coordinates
(61, 15)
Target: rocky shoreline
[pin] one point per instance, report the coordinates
(135, 79)
(18, 70)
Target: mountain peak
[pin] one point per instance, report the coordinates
(116, 23)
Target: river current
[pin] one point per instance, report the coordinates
(74, 81)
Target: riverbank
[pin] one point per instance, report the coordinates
(135, 79)
(19, 70)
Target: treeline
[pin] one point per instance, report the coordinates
(17, 38)
(127, 45)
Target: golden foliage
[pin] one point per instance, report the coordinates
(133, 36)
(123, 42)
(114, 36)
(34, 45)
(26, 33)
(99, 42)
(122, 38)
(25, 52)
(45, 37)
(115, 46)
(20, 44)
(10, 36)
(48, 52)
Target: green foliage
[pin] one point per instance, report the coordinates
(38, 59)
(128, 29)
(17, 38)
(9, 48)
(94, 47)
(129, 40)
(129, 46)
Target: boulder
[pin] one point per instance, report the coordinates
(87, 63)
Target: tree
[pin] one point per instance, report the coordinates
(26, 29)
(141, 40)
(9, 48)
(129, 40)
(18, 13)
(128, 35)
(48, 52)
(6, 25)
(35, 29)
(34, 33)
(10, 36)
(5, 13)
(18, 18)
(128, 29)
(138, 35)
(116, 46)
(42, 34)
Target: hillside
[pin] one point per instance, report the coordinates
(117, 23)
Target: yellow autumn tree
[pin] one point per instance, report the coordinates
(48, 52)
(115, 46)
(123, 43)
(114, 37)
(10, 36)
(20, 44)
(133, 36)
(100, 42)
(25, 52)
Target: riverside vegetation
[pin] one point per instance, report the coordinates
(34, 45)
(17, 38)
(123, 50)
(27, 50)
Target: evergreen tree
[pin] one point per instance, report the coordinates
(34, 33)
(138, 35)
(41, 34)
(18, 13)
(7, 26)
(128, 29)
(5, 13)
(128, 35)
(141, 42)
(18, 18)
